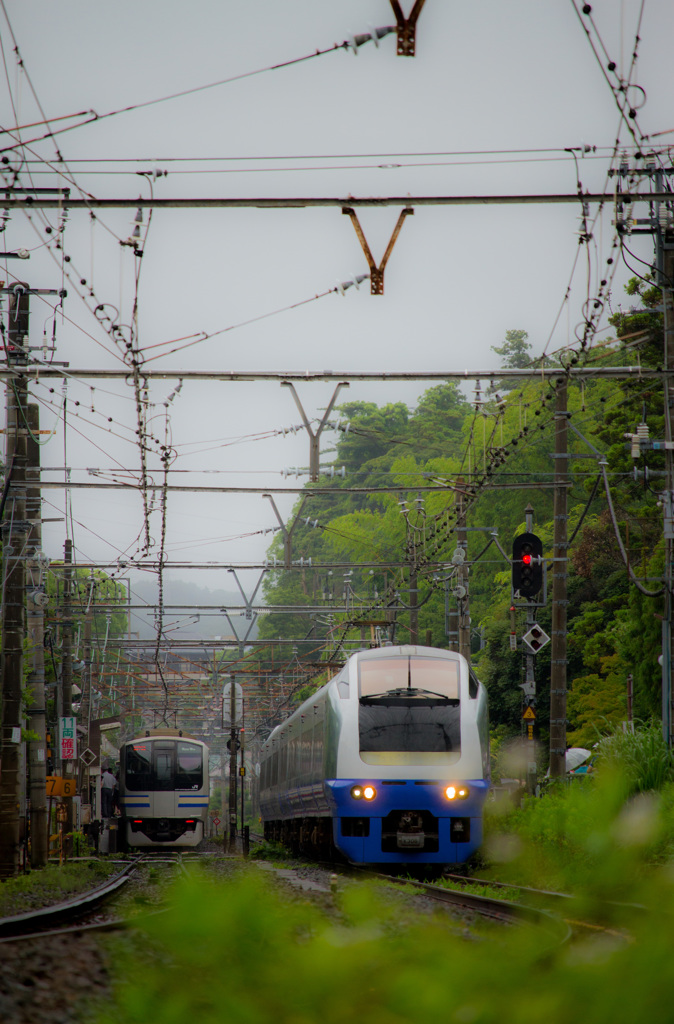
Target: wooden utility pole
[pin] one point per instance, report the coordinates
(15, 541)
(36, 603)
(559, 589)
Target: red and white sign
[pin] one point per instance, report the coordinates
(68, 738)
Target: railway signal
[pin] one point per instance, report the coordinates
(534, 639)
(527, 565)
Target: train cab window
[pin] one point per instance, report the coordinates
(189, 773)
(409, 705)
(163, 766)
(406, 676)
(138, 766)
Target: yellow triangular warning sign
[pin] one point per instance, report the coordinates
(529, 713)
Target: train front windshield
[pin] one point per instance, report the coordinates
(163, 765)
(409, 705)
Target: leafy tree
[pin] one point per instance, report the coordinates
(515, 350)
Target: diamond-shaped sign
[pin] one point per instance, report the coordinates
(535, 638)
(87, 757)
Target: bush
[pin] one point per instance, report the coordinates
(642, 756)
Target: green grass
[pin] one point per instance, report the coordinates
(240, 951)
(270, 851)
(51, 884)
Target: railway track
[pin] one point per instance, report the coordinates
(82, 912)
(502, 910)
(549, 910)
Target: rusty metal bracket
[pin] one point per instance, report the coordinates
(376, 272)
(406, 27)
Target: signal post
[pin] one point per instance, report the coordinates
(527, 580)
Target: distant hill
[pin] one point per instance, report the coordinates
(182, 622)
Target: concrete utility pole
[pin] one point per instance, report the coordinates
(37, 599)
(559, 589)
(66, 702)
(451, 621)
(463, 583)
(232, 768)
(665, 261)
(86, 692)
(414, 603)
(15, 539)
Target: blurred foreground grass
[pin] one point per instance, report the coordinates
(241, 952)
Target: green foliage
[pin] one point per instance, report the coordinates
(240, 951)
(269, 851)
(515, 350)
(643, 756)
(51, 884)
(82, 845)
(490, 450)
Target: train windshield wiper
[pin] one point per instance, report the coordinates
(405, 695)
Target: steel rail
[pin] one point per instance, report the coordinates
(20, 924)
(486, 906)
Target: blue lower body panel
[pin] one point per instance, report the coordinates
(406, 822)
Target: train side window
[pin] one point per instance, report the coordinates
(473, 685)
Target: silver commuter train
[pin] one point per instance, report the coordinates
(388, 762)
(164, 789)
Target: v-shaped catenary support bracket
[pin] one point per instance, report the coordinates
(376, 272)
(406, 27)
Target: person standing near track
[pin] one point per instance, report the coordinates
(108, 786)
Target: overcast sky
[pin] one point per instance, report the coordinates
(495, 94)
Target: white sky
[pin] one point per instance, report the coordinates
(488, 75)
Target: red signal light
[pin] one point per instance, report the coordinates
(526, 559)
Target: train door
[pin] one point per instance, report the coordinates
(163, 758)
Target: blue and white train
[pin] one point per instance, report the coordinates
(388, 762)
(164, 789)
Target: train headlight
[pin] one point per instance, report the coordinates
(363, 792)
(456, 792)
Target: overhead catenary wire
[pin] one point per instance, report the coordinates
(91, 116)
